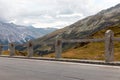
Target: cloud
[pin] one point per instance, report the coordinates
(50, 13)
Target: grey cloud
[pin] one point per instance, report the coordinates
(29, 12)
(66, 11)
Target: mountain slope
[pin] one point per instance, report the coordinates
(85, 28)
(88, 26)
(93, 51)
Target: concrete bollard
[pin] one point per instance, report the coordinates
(30, 49)
(109, 46)
(58, 47)
(0, 49)
(12, 49)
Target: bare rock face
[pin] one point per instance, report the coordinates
(88, 26)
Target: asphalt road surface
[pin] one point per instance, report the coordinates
(26, 69)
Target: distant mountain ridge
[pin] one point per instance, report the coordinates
(10, 32)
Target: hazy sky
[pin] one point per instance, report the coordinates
(50, 13)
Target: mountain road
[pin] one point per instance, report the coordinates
(29, 69)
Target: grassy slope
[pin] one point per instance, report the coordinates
(93, 50)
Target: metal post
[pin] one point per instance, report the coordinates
(30, 49)
(109, 46)
(12, 49)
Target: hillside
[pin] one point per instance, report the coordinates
(88, 26)
(91, 27)
(93, 50)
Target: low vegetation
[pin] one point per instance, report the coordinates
(93, 51)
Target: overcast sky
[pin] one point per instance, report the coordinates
(50, 13)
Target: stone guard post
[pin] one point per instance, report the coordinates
(0, 49)
(12, 49)
(58, 47)
(30, 49)
(109, 46)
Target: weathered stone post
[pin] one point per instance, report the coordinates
(0, 49)
(109, 46)
(12, 49)
(58, 47)
(30, 49)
